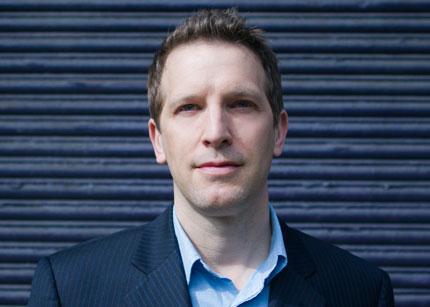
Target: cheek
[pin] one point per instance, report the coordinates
(176, 147)
(265, 142)
(257, 133)
(258, 148)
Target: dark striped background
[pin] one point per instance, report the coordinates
(75, 160)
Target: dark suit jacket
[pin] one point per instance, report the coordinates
(143, 267)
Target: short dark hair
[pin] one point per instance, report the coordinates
(222, 25)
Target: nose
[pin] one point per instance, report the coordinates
(216, 128)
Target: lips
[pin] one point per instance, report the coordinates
(219, 164)
(218, 168)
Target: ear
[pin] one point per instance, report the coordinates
(157, 141)
(280, 133)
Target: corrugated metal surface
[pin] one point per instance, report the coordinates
(75, 160)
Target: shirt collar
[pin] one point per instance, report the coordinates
(277, 250)
(189, 253)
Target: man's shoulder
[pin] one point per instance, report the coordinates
(103, 268)
(342, 278)
(118, 245)
(325, 255)
(106, 245)
(336, 269)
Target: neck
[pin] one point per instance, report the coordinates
(232, 245)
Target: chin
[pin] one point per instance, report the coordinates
(221, 203)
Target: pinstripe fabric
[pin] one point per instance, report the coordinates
(142, 267)
(319, 274)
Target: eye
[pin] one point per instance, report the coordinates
(187, 108)
(242, 104)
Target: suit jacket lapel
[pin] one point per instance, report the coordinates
(291, 286)
(163, 280)
(158, 258)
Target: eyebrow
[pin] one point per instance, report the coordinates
(243, 92)
(237, 92)
(180, 100)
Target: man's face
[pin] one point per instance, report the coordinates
(216, 128)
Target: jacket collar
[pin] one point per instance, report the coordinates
(291, 286)
(164, 280)
(159, 259)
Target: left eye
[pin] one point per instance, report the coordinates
(241, 104)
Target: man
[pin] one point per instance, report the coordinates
(216, 120)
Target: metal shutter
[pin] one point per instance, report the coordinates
(75, 160)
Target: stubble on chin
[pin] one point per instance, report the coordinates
(219, 202)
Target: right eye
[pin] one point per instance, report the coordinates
(189, 107)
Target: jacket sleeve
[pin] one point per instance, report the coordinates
(386, 297)
(43, 288)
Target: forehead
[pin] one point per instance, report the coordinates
(211, 65)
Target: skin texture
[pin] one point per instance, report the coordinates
(218, 139)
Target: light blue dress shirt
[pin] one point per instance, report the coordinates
(208, 288)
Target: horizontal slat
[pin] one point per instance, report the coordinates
(50, 232)
(15, 295)
(149, 42)
(350, 64)
(24, 253)
(16, 274)
(353, 212)
(74, 64)
(358, 234)
(401, 256)
(411, 279)
(81, 210)
(329, 191)
(143, 21)
(190, 5)
(412, 298)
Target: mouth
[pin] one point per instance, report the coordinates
(218, 164)
(218, 168)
